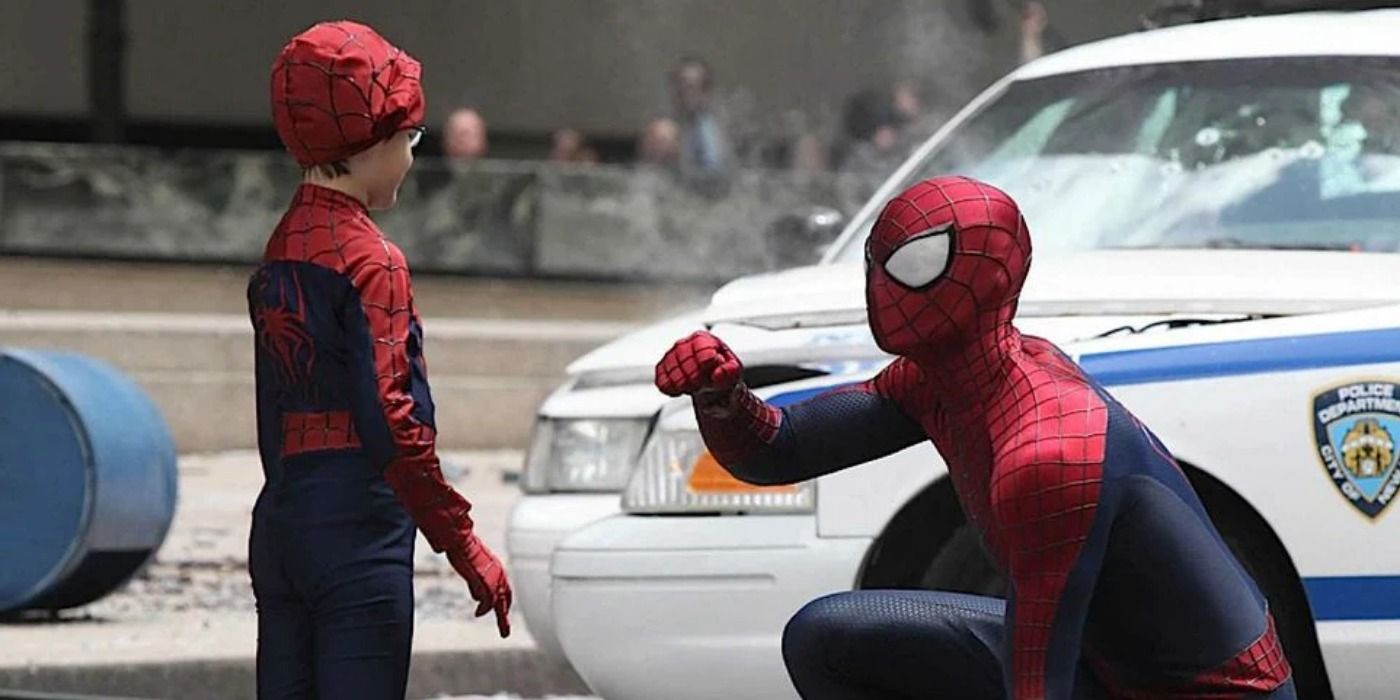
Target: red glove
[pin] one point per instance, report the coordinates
(700, 364)
(734, 423)
(486, 579)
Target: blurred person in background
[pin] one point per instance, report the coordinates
(565, 144)
(875, 143)
(345, 418)
(907, 102)
(1361, 141)
(704, 147)
(569, 146)
(1373, 107)
(464, 137)
(1037, 36)
(810, 154)
(917, 121)
(1035, 20)
(659, 144)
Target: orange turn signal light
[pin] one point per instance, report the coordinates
(709, 477)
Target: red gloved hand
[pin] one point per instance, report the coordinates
(486, 579)
(698, 364)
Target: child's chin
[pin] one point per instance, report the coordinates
(384, 201)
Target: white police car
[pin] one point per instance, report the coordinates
(1216, 215)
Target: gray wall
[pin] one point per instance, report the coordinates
(42, 68)
(534, 65)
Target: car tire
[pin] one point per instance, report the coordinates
(962, 565)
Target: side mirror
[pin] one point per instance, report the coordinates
(799, 237)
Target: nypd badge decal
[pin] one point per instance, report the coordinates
(1355, 427)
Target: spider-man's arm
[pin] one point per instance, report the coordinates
(395, 408)
(761, 444)
(1044, 498)
(394, 416)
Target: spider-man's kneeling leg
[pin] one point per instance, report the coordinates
(877, 645)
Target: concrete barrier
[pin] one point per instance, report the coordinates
(494, 217)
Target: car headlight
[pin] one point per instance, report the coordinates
(582, 454)
(676, 474)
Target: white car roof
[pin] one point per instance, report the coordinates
(1362, 33)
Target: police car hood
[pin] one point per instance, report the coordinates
(813, 313)
(1100, 283)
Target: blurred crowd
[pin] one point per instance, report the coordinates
(877, 127)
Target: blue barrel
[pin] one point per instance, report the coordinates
(87, 479)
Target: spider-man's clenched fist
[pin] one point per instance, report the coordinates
(698, 363)
(736, 424)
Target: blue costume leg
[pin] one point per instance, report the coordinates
(896, 644)
(878, 645)
(346, 547)
(284, 670)
(1173, 612)
(364, 632)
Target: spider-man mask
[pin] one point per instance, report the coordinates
(945, 263)
(339, 88)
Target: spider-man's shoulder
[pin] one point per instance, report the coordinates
(902, 382)
(1058, 419)
(1046, 356)
(344, 241)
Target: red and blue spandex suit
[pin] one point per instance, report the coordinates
(1120, 585)
(347, 439)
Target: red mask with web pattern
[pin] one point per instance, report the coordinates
(945, 263)
(339, 88)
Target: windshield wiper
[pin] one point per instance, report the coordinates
(1241, 244)
(1174, 323)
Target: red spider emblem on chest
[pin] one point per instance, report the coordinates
(279, 319)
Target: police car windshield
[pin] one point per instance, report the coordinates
(1265, 153)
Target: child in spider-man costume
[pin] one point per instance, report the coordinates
(345, 418)
(1120, 585)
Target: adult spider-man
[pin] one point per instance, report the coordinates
(1120, 585)
(345, 418)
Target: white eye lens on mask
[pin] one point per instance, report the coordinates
(920, 261)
